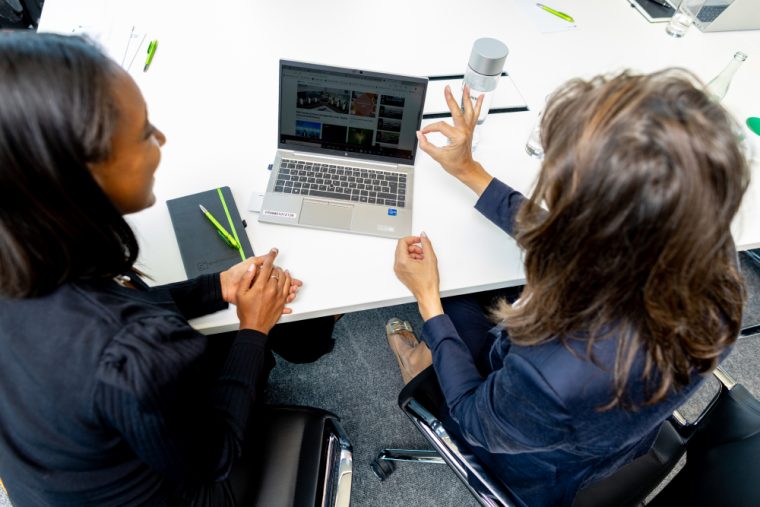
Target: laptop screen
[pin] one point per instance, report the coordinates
(350, 112)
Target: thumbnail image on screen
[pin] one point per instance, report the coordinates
(363, 104)
(360, 137)
(322, 99)
(308, 129)
(391, 112)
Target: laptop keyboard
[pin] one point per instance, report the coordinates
(339, 182)
(708, 13)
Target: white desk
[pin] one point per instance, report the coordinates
(213, 86)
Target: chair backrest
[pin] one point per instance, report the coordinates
(33, 10)
(722, 457)
(631, 483)
(722, 449)
(302, 459)
(721, 446)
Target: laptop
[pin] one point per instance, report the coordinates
(728, 15)
(346, 150)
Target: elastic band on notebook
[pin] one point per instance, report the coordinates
(232, 226)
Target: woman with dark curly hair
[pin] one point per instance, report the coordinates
(632, 289)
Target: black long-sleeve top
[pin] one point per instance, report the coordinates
(107, 398)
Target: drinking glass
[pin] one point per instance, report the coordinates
(683, 18)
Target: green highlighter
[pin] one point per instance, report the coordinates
(557, 13)
(221, 231)
(151, 51)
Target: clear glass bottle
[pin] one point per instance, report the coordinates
(482, 75)
(718, 87)
(533, 145)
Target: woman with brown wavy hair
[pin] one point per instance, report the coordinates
(632, 290)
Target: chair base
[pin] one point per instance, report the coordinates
(384, 464)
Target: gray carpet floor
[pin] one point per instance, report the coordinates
(360, 383)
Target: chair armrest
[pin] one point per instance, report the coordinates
(421, 401)
(686, 428)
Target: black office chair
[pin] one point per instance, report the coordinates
(304, 459)
(750, 270)
(722, 449)
(20, 14)
(33, 11)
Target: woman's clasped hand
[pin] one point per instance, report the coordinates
(263, 292)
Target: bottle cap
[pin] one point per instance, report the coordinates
(488, 56)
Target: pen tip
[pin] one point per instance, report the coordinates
(202, 208)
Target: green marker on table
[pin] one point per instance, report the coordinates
(151, 51)
(557, 13)
(221, 231)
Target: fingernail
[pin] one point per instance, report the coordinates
(274, 250)
(423, 234)
(251, 267)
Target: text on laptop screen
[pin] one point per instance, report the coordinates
(324, 108)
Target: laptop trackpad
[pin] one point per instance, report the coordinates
(324, 214)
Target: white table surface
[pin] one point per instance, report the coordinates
(213, 89)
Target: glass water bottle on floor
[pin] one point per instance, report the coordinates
(482, 75)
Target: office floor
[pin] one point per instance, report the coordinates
(359, 381)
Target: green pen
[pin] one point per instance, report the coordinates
(151, 51)
(559, 14)
(231, 242)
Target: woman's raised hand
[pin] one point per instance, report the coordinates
(456, 156)
(416, 266)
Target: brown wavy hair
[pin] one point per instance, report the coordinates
(642, 176)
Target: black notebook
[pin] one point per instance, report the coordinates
(202, 248)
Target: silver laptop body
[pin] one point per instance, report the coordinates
(728, 15)
(346, 150)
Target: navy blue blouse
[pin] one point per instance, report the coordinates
(534, 418)
(106, 397)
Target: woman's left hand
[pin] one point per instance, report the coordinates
(230, 280)
(416, 266)
(456, 156)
